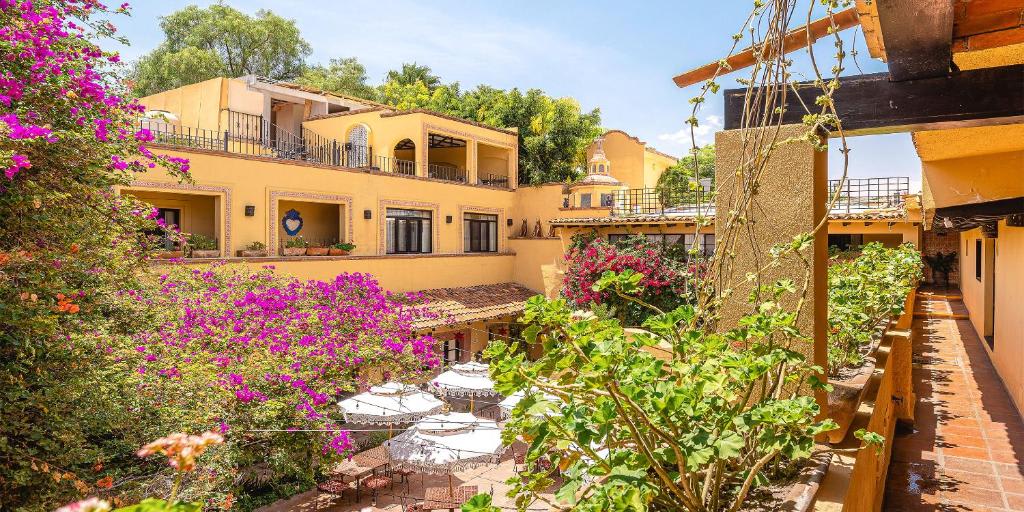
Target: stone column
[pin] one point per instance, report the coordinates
(791, 198)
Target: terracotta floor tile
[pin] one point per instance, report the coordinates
(1010, 470)
(974, 496)
(1015, 501)
(969, 453)
(1014, 485)
(972, 465)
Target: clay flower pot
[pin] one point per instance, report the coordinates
(168, 255)
(213, 253)
(338, 252)
(316, 251)
(246, 253)
(294, 251)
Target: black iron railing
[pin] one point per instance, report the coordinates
(246, 136)
(446, 173)
(868, 193)
(654, 201)
(494, 180)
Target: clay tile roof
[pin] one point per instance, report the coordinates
(473, 303)
(887, 214)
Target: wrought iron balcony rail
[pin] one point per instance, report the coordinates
(446, 173)
(494, 180)
(869, 193)
(653, 201)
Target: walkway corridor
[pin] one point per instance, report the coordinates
(967, 452)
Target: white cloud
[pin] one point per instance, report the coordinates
(704, 133)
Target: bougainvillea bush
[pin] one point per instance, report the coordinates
(262, 358)
(67, 243)
(863, 292)
(667, 278)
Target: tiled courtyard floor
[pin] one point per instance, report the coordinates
(967, 452)
(488, 479)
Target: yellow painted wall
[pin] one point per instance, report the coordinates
(197, 105)
(251, 181)
(973, 179)
(880, 231)
(537, 202)
(395, 272)
(995, 303)
(539, 264)
(198, 212)
(632, 163)
(386, 131)
(975, 290)
(492, 160)
(654, 165)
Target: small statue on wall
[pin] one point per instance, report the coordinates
(551, 231)
(525, 231)
(538, 231)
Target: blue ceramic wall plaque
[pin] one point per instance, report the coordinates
(292, 222)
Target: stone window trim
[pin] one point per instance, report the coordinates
(164, 186)
(277, 195)
(382, 221)
(502, 228)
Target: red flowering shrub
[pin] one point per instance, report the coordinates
(667, 280)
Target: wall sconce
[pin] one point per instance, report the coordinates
(508, 222)
(448, 219)
(367, 214)
(250, 210)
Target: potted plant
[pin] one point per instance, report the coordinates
(341, 249)
(201, 246)
(254, 250)
(296, 246)
(941, 263)
(316, 249)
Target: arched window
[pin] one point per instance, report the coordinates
(358, 146)
(404, 158)
(600, 168)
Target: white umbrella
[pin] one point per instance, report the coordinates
(389, 404)
(510, 403)
(465, 380)
(446, 443)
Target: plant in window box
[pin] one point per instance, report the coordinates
(295, 247)
(317, 249)
(342, 249)
(254, 250)
(201, 246)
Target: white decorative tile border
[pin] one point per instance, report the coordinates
(277, 195)
(226, 249)
(500, 212)
(382, 220)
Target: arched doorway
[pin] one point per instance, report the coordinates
(358, 146)
(404, 158)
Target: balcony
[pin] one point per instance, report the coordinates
(855, 195)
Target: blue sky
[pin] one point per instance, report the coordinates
(619, 57)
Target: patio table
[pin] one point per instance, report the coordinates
(363, 464)
(440, 498)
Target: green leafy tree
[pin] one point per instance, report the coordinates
(683, 175)
(412, 73)
(673, 417)
(219, 40)
(67, 245)
(343, 76)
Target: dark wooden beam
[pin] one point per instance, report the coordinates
(871, 104)
(970, 216)
(918, 37)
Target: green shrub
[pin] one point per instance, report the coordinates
(864, 292)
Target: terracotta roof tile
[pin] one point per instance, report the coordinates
(473, 303)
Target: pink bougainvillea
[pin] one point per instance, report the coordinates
(667, 281)
(275, 352)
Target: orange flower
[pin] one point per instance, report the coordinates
(74, 248)
(182, 449)
(65, 305)
(4, 258)
(105, 483)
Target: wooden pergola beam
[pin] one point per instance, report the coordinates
(918, 37)
(792, 41)
(872, 104)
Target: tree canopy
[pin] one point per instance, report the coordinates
(203, 43)
(680, 175)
